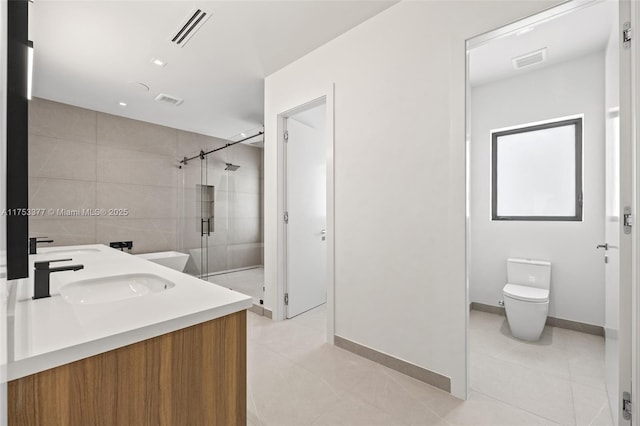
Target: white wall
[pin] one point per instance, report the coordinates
(399, 174)
(577, 277)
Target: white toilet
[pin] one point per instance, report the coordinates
(526, 297)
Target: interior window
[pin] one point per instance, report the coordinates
(537, 172)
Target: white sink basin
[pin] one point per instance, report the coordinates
(112, 289)
(71, 251)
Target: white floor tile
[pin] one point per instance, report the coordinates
(353, 412)
(296, 378)
(589, 404)
(531, 390)
(480, 409)
(545, 359)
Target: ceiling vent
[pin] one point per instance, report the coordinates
(168, 99)
(189, 27)
(530, 59)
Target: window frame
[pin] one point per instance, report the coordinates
(578, 216)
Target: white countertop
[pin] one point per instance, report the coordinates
(51, 332)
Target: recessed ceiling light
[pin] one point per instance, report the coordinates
(243, 135)
(525, 31)
(122, 104)
(158, 62)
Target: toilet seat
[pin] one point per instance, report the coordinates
(525, 293)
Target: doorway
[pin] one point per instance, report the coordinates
(305, 208)
(525, 79)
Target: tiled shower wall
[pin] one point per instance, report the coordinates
(236, 241)
(83, 159)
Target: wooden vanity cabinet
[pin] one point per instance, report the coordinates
(194, 376)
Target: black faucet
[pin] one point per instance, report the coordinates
(42, 271)
(121, 245)
(33, 243)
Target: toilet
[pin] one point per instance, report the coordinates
(526, 297)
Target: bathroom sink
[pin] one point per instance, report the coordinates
(71, 251)
(112, 289)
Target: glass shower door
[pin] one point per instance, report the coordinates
(220, 223)
(205, 215)
(196, 221)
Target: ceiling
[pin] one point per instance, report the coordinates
(93, 54)
(566, 37)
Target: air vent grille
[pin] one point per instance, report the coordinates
(189, 27)
(530, 59)
(171, 100)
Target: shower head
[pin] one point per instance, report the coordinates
(231, 167)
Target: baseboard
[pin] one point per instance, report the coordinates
(551, 321)
(261, 310)
(576, 326)
(427, 376)
(498, 310)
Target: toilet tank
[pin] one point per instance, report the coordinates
(528, 272)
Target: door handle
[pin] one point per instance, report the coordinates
(604, 246)
(323, 232)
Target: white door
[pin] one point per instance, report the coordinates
(305, 180)
(613, 264)
(618, 243)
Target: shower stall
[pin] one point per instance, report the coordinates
(220, 204)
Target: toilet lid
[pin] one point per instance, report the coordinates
(525, 293)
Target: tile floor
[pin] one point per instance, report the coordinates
(295, 378)
(559, 378)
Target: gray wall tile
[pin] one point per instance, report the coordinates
(64, 232)
(187, 203)
(56, 120)
(248, 158)
(119, 165)
(142, 201)
(190, 175)
(218, 258)
(243, 205)
(56, 194)
(59, 158)
(136, 135)
(188, 233)
(243, 255)
(221, 233)
(245, 230)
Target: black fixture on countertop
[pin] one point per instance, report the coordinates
(33, 243)
(121, 245)
(42, 272)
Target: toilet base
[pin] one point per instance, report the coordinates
(526, 319)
